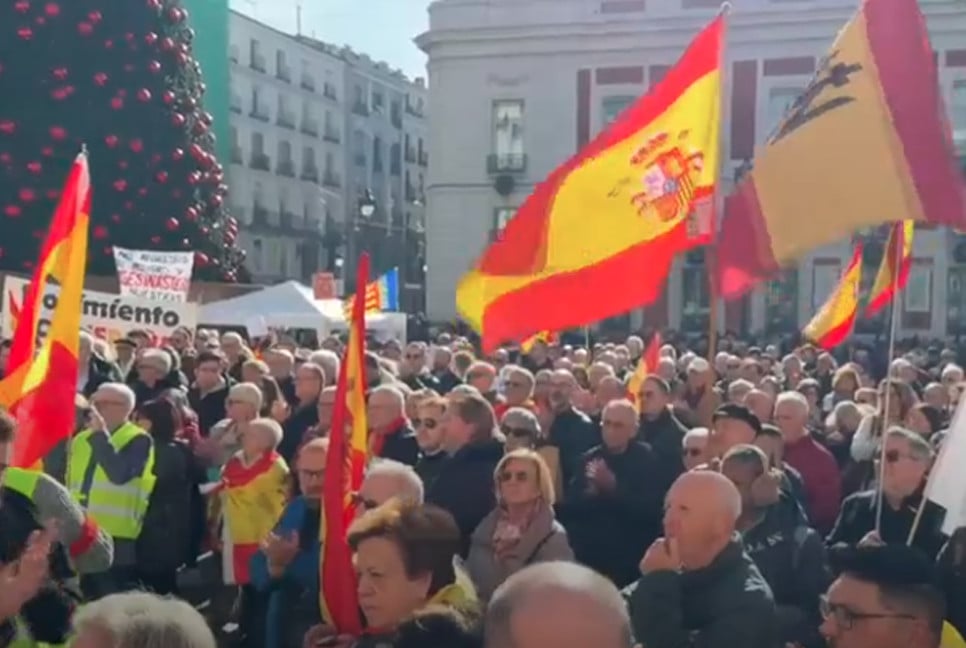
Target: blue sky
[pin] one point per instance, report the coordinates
(384, 29)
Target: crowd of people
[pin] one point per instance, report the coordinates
(766, 498)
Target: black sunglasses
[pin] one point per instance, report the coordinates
(429, 424)
(515, 431)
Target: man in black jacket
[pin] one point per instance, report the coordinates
(391, 435)
(699, 587)
(571, 431)
(660, 429)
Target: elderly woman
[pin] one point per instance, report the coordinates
(153, 371)
(242, 406)
(409, 589)
(140, 620)
(522, 430)
(521, 530)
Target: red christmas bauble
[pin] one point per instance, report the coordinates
(58, 94)
(21, 6)
(40, 20)
(117, 103)
(143, 192)
(136, 145)
(167, 44)
(182, 59)
(95, 17)
(161, 176)
(116, 218)
(150, 38)
(194, 178)
(154, 67)
(120, 185)
(109, 44)
(154, 4)
(168, 97)
(191, 214)
(52, 9)
(25, 33)
(196, 151)
(5, 158)
(8, 127)
(13, 211)
(178, 120)
(201, 259)
(177, 154)
(100, 232)
(111, 141)
(216, 201)
(204, 230)
(144, 95)
(35, 168)
(129, 37)
(47, 151)
(231, 222)
(85, 28)
(27, 195)
(172, 224)
(129, 205)
(200, 128)
(101, 79)
(175, 15)
(60, 73)
(57, 133)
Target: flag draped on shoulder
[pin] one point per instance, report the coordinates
(894, 270)
(379, 295)
(834, 321)
(646, 365)
(866, 143)
(602, 229)
(40, 384)
(345, 465)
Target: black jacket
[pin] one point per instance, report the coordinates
(400, 445)
(447, 380)
(294, 430)
(610, 531)
(424, 380)
(728, 603)
(857, 518)
(464, 486)
(574, 434)
(429, 466)
(100, 371)
(165, 537)
(209, 407)
(144, 393)
(791, 557)
(665, 435)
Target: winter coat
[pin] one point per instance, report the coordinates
(728, 603)
(574, 434)
(167, 532)
(857, 518)
(823, 481)
(543, 540)
(665, 435)
(294, 429)
(209, 406)
(398, 444)
(429, 466)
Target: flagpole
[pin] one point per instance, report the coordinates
(893, 322)
(711, 254)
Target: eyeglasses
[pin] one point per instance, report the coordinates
(520, 476)
(691, 452)
(312, 474)
(428, 423)
(508, 430)
(367, 504)
(846, 617)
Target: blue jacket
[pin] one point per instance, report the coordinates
(293, 603)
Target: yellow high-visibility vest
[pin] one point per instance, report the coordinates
(119, 509)
(21, 480)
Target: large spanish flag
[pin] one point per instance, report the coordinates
(596, 238)
(646, 365)
(866, 144)
(39, 388)
(894, 270)
(834, 321)
(345, 466)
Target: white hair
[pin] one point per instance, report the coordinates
(739, 384)
(793, 397)
(329, 362)
(145, 620)
(695, 433)
(699, 365)
(233, 337)
(248, 393)
(411, 487)
(157, 357)
(951, 369)
(122, 391)
(394, 392)
(272, 428)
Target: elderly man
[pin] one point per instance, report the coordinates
(111, 474)
(442, 370)
(281, 364)
(761, 404)
(386, 479)
(609, 388)
(235, 352)
(414, 368)
(694, 450)
(518, 386)
(817, 466)
(660, 429)
(390, 434)
(309, 382)
(153, 369)
(287, 565)
(93, 370)
(699, 587)
(571, 430)
(614, 500)
(329, 362)
(558, 604)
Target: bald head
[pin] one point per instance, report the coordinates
(701, 511)
(559, 604)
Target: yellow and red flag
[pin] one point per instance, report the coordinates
(345, 466)
(894, 270)
(647, 364)
(602, 229)
(865, 144)
(834, 321)
(547, 337)
(39, 384)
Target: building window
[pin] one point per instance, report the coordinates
(378, 100)
(502, 216)
(956, 300)
(781, 302)
(256, 58)
(258, 144)
(359, 147)
(233, 53)
(696, 311)
(257, 260)
(780, 100)
(612, 107)
(284, 151)
(282, 70)
(258, 194)
(917, 296)
(508, 127)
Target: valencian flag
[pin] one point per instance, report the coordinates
(547, 337)
(602, 229)
(39, 383)
(894, 269)
(834, 321)
(647, 364)
(345, 465)
(865, 144)
(380, 295)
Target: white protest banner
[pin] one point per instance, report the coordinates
(154, 275)
(106, 315)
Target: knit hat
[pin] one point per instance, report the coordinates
(738, 413)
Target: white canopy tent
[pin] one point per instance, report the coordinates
(292, 305)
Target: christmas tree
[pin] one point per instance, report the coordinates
(120, 78)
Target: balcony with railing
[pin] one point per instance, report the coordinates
(328, 91)
(331, 180)
(310, 126)
(360, 108)
(310, 173)
(285, 120)
(257, 62)
(260, 113)
(285, 168)
(283, 73)
(307, 83)
(259, 215)
(332, 135)
(498, 163)
(237, 156)
(261, 162)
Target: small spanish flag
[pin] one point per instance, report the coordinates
(646, 365)
(834, 321)
(547, 337)
(894, 269)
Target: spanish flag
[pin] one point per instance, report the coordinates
(894, 269)
(39, 388)
(380, 295)
(834, 321)
(865, 144)
(597, 237)
(547, 337)
(345, 466)
(646, 365)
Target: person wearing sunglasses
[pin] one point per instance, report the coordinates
(907, 458)
(521, 529)
(429, 437)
